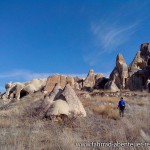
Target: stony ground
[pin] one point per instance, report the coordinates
(21, 130)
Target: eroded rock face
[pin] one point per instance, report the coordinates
(51, 81)
(119, 75)
(139, 69)
(19, 89)
(122, 69)
(100, 81)
(49, 99)
(61, 79)
(141, 60)
(66, 102)
(89, 81)
(73, 101)
(111, 86)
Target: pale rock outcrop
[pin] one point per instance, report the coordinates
(111, 86)
(136, 64)
(139, 69)
(141, 60)
(18, 89)
(61, 79)
(73, 101)
(51, 81)
(119, 75)
(89, 81)
(77, 86)
(67, 103)
(10, 88)
(57, 108)
(49, 99)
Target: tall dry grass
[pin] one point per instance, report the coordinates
(21, 131)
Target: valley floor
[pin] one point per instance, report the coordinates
(20, 130)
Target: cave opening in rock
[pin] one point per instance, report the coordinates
(23, 93)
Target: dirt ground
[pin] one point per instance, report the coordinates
(102, 129)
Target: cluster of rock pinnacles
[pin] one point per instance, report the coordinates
(60, 96)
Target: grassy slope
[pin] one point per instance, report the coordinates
(21, 131)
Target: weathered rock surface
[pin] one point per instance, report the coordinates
(119, 75)
(61, 79)
(111, 86)
(61, 102)
(89, 81)
(139, 69)
(48, 100)
(19, 89)
(73, 101)
(100, 81)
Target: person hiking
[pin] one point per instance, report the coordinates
(121, 106)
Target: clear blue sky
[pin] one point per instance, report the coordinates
(40, 37)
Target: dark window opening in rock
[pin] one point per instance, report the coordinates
(101, 83)
(23, 93)
(148, 62)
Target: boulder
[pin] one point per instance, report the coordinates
(119, 74)
(51, 81)
(73, 101)
(89, 81)
(111, 86)
(57, 108)
(77, 86)
(61, 102)
(141, 60)
(61, 79)
(139, 69)
(48, 100)
(21, 89)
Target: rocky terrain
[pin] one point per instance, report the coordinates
(63, 112)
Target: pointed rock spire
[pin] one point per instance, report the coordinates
(73, 101)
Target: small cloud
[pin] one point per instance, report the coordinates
(110, 37)
(115, 29)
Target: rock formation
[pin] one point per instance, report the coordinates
(61, 79)
(89, 81)
(136, 76)
(65, 103)
(100, 81)
(18, 89)
(48, 100)
(119, 75)
(73, 101)
(139, 69)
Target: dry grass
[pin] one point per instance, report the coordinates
(21, 131)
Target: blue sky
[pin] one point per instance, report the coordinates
(39, 38)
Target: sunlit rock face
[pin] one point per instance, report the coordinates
(139, 69)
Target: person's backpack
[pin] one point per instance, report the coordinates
(122, 103)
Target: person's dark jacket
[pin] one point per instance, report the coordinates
(121, 104)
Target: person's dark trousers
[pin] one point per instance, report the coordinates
(121, 111)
